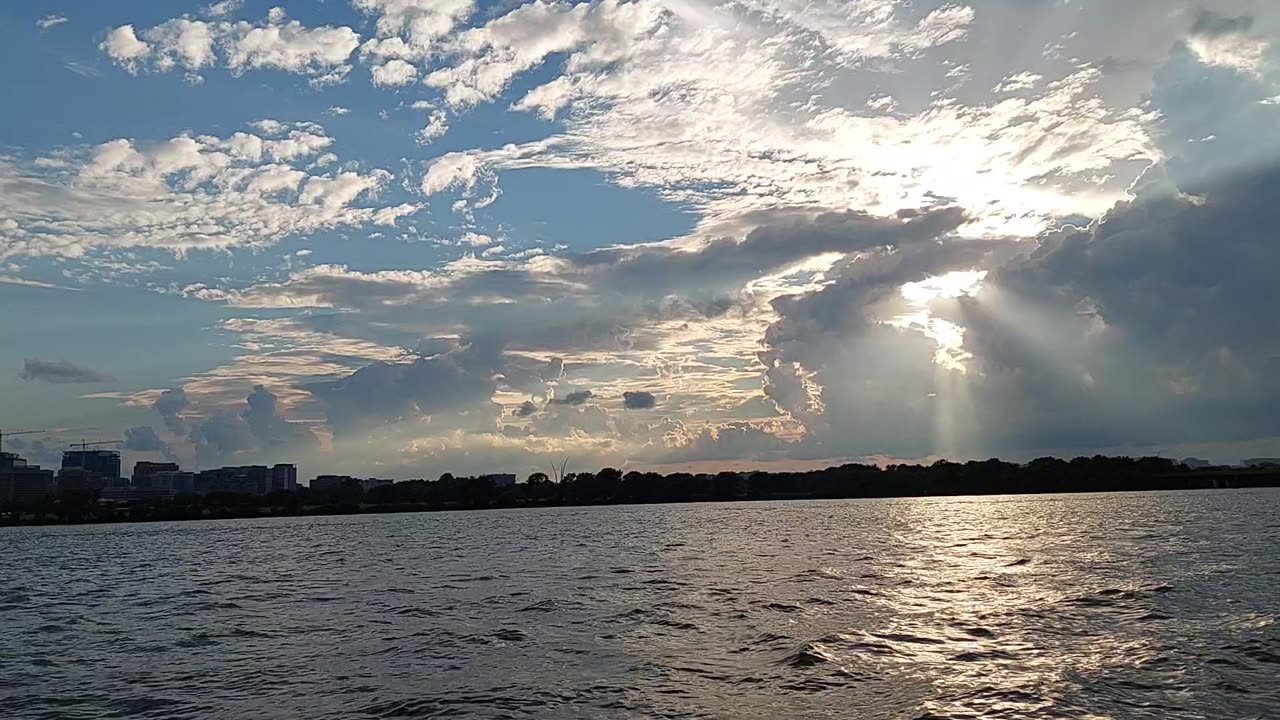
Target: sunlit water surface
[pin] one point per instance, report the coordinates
(1157, 605)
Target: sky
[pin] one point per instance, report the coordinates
(396, 238)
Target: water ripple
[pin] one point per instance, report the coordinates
(957, 608)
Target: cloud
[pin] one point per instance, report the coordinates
(170, 405)
(52, 20)
(277, 44)
(409, 29)
(144, 439)
(394, 72)
(124, 48)
(779, 240)
(223, 7)
(638, 400)
(863, 244)
(577, 397)
(220, 436)
(268, 427)
(767, 70)
(60, 372)
(192, 191)
(256, 432)
(37, 452)
(432, 387)
(1018, 82)
(1221, 40)
(437, 126)
(736, 440)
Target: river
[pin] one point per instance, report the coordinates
(1133, 605)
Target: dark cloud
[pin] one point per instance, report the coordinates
(736, 440)
(170, 405)
(577, 397)
(40, 453)
(432, 346)
(1212, 24)
(782, 238)
(144, 439)
(638, 400)
(269, 428)
(1161, 317)
(255, 429)
(219, 436)
(383, 392)
(526, 409)
(554, 369)
(60, 372)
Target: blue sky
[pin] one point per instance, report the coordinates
(398, 237)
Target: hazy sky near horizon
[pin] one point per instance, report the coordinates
(397, 237)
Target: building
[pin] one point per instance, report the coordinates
(503, 480)
(371, 483)
(284, 478)
(22, 484)
(165, 483)
(103, 463)
(145, 468)
(330, 483)
(80, 480)
(243, 480)
(248, 479)
(126, 491)
(1196, 463)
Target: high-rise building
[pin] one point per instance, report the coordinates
(79, 480)
(284, 478)
(248, 479)
(145, 468)
(22, 484)
(242, 479)
(330, 483)
(103, 463)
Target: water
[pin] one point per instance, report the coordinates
(1145, 605)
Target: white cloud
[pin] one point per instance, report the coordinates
(1227, 42)
(437, 125)
(124, 48)
(599, 32)
(289, 46)
(408, 29)
(181, 42)
(52, 20)
(192, 191)
(276, 45)
(1018, 81)
(394, 72)
(338, 110)
(869, 30)
(225, 7)
(1235, 51)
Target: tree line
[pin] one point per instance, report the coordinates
(613, 486)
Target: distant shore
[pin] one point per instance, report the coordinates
(612, 487)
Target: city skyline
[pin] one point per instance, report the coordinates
(398, 238)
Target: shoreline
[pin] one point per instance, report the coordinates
(254, 507)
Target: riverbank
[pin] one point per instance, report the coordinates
(611, 487)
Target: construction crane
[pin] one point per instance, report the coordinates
(84, 446)
(3, 433)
